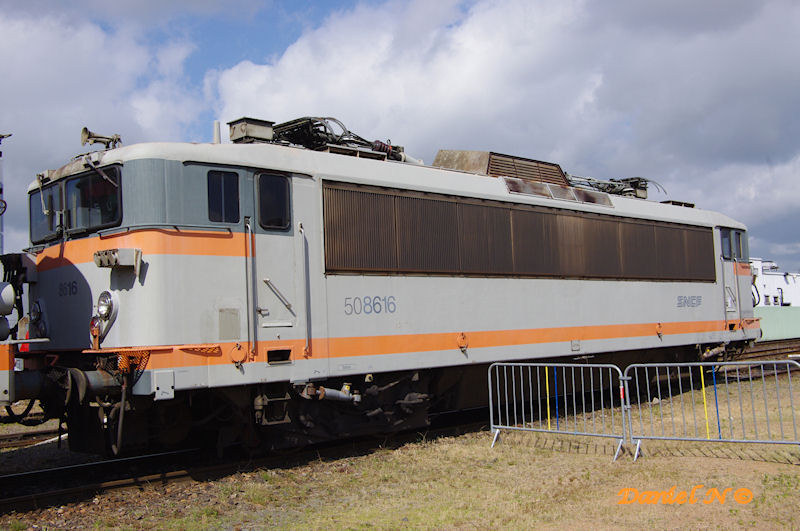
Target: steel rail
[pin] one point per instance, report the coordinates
(25, 438)
(770, 349)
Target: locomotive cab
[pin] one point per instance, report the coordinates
(737, 277)
(160, 262)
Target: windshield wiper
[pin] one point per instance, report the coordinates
(88, 162)
(39, 179)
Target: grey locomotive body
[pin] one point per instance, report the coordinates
(258, 288)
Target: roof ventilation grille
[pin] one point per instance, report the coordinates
(498, 165)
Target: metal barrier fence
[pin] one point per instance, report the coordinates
(712, 401)
(576, 399)
(739, 401)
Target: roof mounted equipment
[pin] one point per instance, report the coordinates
(88, 137)
(320, 134)
(499, 165)
(250, 130)
(627, 187)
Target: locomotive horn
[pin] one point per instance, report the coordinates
(88, 137)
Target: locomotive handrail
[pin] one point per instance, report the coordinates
(738, 290)
(271, 285)
(724, 290)
(306, 291)
(251, 287)
(21, 341)
(176, 226)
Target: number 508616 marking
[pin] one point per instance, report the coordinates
(370, 305)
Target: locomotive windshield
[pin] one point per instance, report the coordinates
(90, 202)
(45, 210)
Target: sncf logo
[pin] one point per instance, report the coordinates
(691, 301)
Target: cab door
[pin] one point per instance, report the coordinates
(735, 271)
(277, 307)
(286, 276)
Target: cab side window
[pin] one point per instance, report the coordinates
(223, 196)
(273, 201)
(725, 236)
(740, 249)
(734, 244)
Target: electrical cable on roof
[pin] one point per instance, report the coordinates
(631, 186)
(318, 132)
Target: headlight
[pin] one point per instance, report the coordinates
(105, 305)
(36, 312)
(7, 298)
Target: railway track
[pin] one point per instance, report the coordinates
(42, 488)
(779, 349)
(37, 417)
(26, 438)
(56, 486)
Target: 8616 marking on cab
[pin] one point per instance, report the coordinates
(67, 289)
(370, 305)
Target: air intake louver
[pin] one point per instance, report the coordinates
(507, 166)
(498, 165)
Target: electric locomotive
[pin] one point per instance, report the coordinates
(301, 283)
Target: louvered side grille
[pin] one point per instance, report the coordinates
(360, 230)
(427, 235)
(375, 230)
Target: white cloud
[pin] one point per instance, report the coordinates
(62, 74)
(765, 197)
(701, 98)
(167, 104)
(459, 77)
(756, 194)
(779, 250)
(547, 78)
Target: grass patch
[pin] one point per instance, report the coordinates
(526, 480)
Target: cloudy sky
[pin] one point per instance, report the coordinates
(702, 97)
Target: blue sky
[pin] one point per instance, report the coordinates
(257, 34)
(699, 96)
